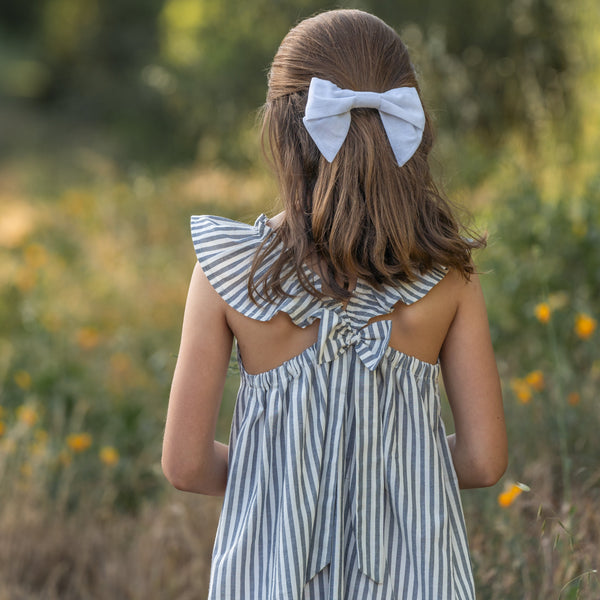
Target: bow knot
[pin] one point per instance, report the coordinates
(351, 339)
(366, 100)
(327, 116)
(336, 336)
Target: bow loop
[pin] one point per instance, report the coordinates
(373, 342)
(327, 116)
(370, 342)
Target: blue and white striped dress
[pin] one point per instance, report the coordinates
(341, 484)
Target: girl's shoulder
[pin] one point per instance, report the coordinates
(226, 249)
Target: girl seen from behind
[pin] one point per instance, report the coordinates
(339, 479)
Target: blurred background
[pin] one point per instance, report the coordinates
(119, 119)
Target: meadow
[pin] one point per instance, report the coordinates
(96, 256)
(94, 266)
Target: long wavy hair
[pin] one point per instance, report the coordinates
(362, 215)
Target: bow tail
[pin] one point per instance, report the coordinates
(404, 136)
(328, 525)
(326, 542)
(328, 342)
(370, 481)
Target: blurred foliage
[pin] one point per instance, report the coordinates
(92, 286)
(542, 281)
(558, 262)
(541, 277)
(104, 102)
(177, 80)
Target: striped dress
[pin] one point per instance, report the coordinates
(341, 484)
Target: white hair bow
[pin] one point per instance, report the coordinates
(327, 116)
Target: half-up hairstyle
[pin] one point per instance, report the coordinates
(362, 215)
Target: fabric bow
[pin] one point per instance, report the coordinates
(370, 344)
(327, 116)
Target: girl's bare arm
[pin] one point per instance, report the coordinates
(479, 445)
(192, 460)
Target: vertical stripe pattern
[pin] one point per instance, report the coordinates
(341, 483)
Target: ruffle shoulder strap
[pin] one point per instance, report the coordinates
(225, 250)
(407, 292)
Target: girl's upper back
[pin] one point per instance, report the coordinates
(270, 333)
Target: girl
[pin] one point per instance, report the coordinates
(339, 480)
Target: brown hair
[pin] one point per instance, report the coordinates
(360, 215)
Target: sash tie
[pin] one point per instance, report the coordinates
(370, 344)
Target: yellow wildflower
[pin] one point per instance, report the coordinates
(585, 325)
(36, 255)
(2, 428)
(51, 322)
(75, 202)
(543, 312)
(522, 390)
(109, 456)
(25, 280)
(27, 414)
(38, 447)
(573, 398)
(120, 363)
(22, 379)
(79, 442)
(88, 337)
(41, 436)
(535, 379)
(506, 498)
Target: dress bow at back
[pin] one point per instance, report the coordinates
(337, 335)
